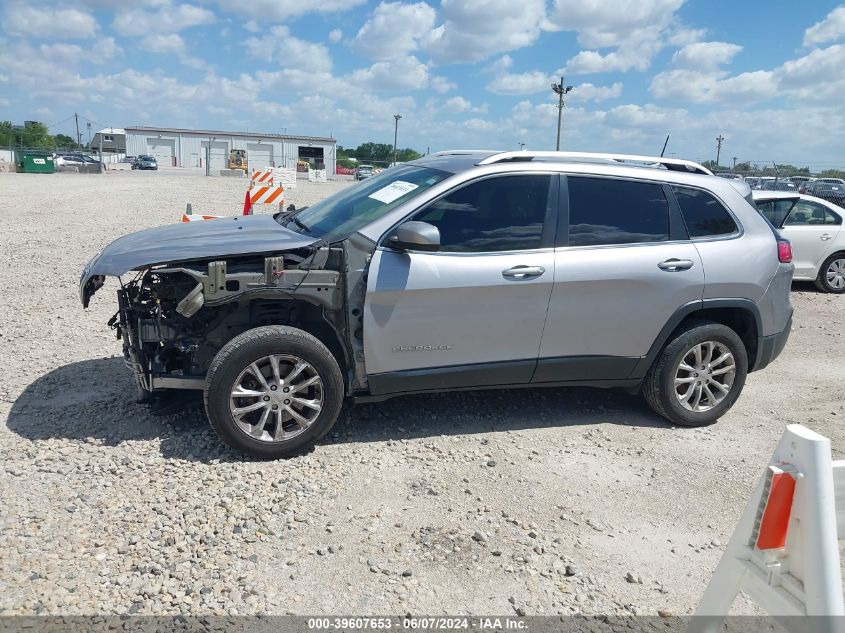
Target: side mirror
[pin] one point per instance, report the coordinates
(416, 236)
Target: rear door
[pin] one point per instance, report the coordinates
(811, 228)
(622, 270)
(471, 314)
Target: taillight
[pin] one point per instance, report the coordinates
(784, 251)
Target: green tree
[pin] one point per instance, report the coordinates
(63, 141)
(33, 135)
(404, 155)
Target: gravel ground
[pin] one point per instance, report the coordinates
(529, 501)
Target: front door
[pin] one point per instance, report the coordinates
(471, 314)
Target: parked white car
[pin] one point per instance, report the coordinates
(814, 227)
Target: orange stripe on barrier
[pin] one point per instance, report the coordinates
(775, 522)
(256, 194)
(274, 195)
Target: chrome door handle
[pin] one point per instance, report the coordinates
(673, 264)
(826, 236)
(523, 272)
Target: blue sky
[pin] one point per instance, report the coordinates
(463, 73)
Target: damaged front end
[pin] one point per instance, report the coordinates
(175, 315)
(174, 319)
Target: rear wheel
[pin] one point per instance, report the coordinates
(273, 392)
(698, 376)
(832, 274)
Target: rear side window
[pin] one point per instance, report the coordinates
(607, 211)
(806, 212)
(775, 211)
(704, 215)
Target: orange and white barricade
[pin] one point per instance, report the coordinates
(261, 177)
(264, 195)
(784, 553)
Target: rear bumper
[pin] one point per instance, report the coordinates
(770, 347)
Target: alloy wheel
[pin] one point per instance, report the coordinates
(704, 376)
(276, 398)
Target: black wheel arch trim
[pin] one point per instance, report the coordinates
(689, 309)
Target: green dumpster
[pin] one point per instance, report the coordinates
(35, 162)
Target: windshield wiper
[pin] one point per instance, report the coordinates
(299, 223)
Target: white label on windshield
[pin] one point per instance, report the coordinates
(393, 191)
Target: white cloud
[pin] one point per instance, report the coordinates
(520, 83)
(705, 55)
(4, 102)
(46, 23)
(441, 85)
(588, 92)
(166, 19)
(292, 52)
(473, 31)
(814, 77)
(636, 29)
(394, 29)
(403, 73)
(458, 105)
(335, 35)
(171, 44)
(105, 49)
(278, 10)
(830, 29)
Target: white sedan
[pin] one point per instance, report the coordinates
(814, 226)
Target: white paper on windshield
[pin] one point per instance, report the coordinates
(393, 191)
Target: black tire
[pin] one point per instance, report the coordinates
(659, 384)
(822, 282)
(248, 348)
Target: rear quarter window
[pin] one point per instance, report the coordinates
(704, 215)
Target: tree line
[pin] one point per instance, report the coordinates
(373, 153)
(33, 135)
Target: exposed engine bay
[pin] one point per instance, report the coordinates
(173, 319)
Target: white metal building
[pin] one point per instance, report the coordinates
(188, 148)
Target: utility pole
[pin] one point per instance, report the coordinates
(561, 92)
(78, 135)
(734, 169)
(89, 134)
(719, 140)
(521, 146)
(395, 135)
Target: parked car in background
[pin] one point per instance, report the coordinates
(832, 192)
(780, 185)
(814, 228)
(145, 162)
(461, 270)
(65, 160)
(364, 171)
(835, 181)
(127, 159)
(729, 175)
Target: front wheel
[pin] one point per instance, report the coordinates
(273, 392)
(832, 274)
(698, 376)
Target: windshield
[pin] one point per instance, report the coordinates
(347, 211)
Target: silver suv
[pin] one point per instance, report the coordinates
(462, 270)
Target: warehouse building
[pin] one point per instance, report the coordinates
(192, 148)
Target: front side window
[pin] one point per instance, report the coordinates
(811, 213)
(606, 211)
(704, 215)
(505, 213)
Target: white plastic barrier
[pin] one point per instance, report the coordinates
(317, 175)
(285, 176)
(784, 553)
